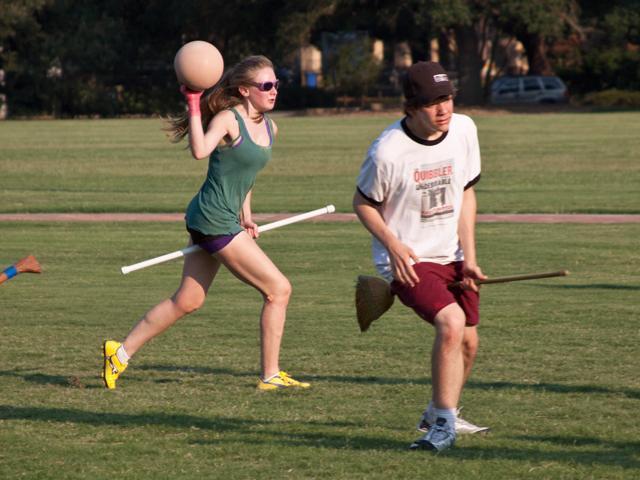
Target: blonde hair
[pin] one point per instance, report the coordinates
(223, 95)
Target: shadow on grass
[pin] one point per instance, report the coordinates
(287, 433)
(475, 384)
(75, 382)
(591, 286)
(604, 452)
(608, 444)
(331, 378)
(95, 382)
(555, 388)
(43, 379)
(198, 370)
(268, 432)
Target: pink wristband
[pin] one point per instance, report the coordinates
(193, 100)
(193, 104)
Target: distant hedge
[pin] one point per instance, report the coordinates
(613, 98)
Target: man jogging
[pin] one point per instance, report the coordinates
(415, 195)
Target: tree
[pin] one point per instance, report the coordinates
(478, 22)
(18, 28)
(535, 24)
(467, 20)
(351, 68)
(610, 54)
(71, 57)
(298, 21)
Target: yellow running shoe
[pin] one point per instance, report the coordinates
(112, 366)
(281, 380)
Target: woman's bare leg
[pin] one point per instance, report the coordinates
(198, 272)
(246, 260)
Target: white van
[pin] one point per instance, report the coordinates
(528, 89)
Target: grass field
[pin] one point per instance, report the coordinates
(550, 163)
(556, 377)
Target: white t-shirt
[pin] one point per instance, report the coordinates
(419, 186)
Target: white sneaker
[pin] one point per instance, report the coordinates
(463, 427)
(466, 428)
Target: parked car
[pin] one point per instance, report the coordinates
(528, 89)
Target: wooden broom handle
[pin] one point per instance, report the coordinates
(516, 278)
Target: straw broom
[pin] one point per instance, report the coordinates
(26, 265)
(374, 297)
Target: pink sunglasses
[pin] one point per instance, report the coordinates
(266, 86)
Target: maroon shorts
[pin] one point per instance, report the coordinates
(432, 294)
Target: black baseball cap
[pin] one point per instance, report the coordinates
(425, 82)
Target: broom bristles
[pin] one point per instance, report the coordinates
(373, 298)
(28, 265)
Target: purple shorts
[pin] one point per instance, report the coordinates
(210, 243)
(432, 294)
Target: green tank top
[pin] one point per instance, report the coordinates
(215, 209)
